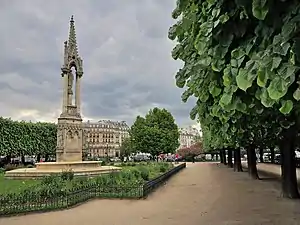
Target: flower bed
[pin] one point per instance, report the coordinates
(63, 191)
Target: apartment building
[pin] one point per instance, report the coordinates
(104, 138)
(187, 136)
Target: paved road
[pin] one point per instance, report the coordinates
(204, 193)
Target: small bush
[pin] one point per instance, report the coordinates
(30, 166)
(164, 167)
(103, 163)
(50, 180)
(2, 170)
(145, 173)
(136, 173)
(67, 175)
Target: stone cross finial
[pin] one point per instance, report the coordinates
(71, 79)
(71, 55)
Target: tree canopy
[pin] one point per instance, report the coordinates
(26, 138)
(191, 151)
(126, 148)
(241, 61)
(246, 53)
(156, 133)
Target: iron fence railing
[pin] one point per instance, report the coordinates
(151, 185)
(11, 204)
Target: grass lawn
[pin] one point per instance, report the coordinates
(14, 186)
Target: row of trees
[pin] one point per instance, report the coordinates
(241, 61)
(26, 138)
(155, 133)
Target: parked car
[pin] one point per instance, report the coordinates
(141, 158)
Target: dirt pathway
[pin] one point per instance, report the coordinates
(203, 193)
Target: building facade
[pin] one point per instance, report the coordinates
(187, 136)
(104, 138)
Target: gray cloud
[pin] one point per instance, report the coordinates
(127, 62)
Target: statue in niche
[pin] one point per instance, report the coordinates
(70, 87)
(76, 134)
(60, 138)
(70, 83)
(70, 134)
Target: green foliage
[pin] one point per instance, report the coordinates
(145, 174)
(67, 175)
(126, 148)
(65, 182)
(241, 62)
(54, 193)
(155, 133)
(164, 167)
(27, 138)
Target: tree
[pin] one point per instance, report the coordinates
(192, 151)
(241, 61)
(156, 133)
(20, 138)
(197, 138)
(125, 148)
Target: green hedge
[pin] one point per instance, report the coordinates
(27, 138)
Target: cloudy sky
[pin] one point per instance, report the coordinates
(126, 53)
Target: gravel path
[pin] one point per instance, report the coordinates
(203, 193)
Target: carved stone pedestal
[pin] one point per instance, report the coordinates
(70, 139)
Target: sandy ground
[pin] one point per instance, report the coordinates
(203, 193)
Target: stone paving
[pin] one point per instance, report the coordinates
(203, 193)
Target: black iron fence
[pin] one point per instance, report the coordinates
(26, 202)
(151, 185)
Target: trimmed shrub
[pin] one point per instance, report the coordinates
(67, 175)
(145, 174)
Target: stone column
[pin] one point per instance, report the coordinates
(65, 93)
(77, 93)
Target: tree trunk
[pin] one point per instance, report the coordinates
(237, 167)
(221, 157)
(7, 159)
(251, 159)
(288, 162)
(230, 164)
(272, 149)
(261, 154)
(38, 158)
(23, 159)
(224, 156)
